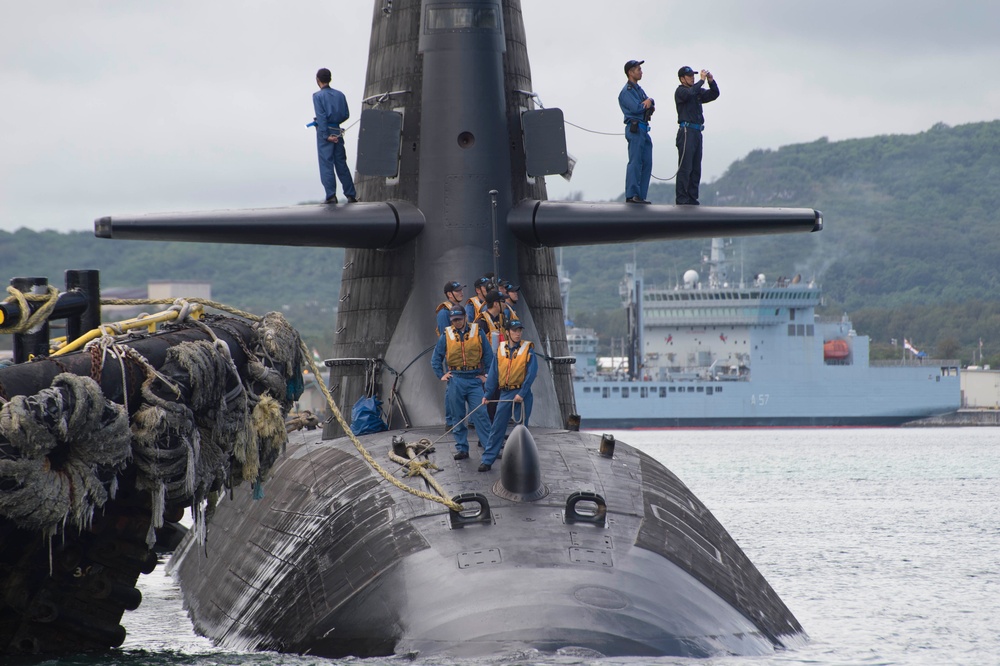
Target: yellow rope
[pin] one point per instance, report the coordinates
(28, 319)
(441, 498)
(146, 321)
(170, 301)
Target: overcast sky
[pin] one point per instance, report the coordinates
(114, 106)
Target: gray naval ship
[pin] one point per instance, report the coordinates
(574, 540)
(724, 352)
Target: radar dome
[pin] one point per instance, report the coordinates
(691, 278)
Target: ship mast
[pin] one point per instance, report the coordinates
(718, 263)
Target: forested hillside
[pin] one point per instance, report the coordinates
(910, 246)
(304, 283)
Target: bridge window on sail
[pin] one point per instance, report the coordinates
(605, 393)
(791, 330)
(673, 389)
(809, 330)
(663, 391)
(708, 390)
(643, 392)
(625, 392)
(718, 389)
(462, 18)
(586, 389)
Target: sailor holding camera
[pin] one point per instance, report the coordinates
(689, 97)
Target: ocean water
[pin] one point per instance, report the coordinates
(885, 544)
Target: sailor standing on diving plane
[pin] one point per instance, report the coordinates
(637, 108)
(465, 349)
(331, 110)
(513, 371)
(689, 97)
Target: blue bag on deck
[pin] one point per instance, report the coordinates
(366, 416)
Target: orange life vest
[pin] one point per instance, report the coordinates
(463, 352)
(477, 306)
(444, 305)
(512, 369)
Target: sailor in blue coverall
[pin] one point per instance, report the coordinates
(331, 110)
(688, 98)
(514, 369)
(461, 358)
(637, 108)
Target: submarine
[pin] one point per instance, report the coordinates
(383, 544)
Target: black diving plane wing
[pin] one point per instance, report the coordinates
(562, 223)
(391, 224)
(372, 226)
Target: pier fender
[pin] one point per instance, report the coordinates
(59, 452)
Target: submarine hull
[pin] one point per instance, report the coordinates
(334, 562)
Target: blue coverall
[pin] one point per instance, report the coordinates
(640, 146)
(691, 121)
(505, 408)
(465, 390)
(331, 110)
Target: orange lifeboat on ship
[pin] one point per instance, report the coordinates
(836, 350)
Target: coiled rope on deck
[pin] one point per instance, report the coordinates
(441, 498)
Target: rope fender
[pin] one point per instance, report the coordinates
(64, 447)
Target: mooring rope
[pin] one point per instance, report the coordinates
(28, 319)
(441, 498)
(180, 310)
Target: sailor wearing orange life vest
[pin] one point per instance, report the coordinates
(491, 318)
(461, 358)
(453, 293)
(476, 303)
(491, 315)
(513, 370)
(512, 293)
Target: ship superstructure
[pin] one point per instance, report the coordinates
(725, 352)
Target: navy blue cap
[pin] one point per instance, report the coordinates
(453, 286)
(482, 282)
(514, 323)
(632, 63)
(455, 313)
(510, 286)
(685, 71)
